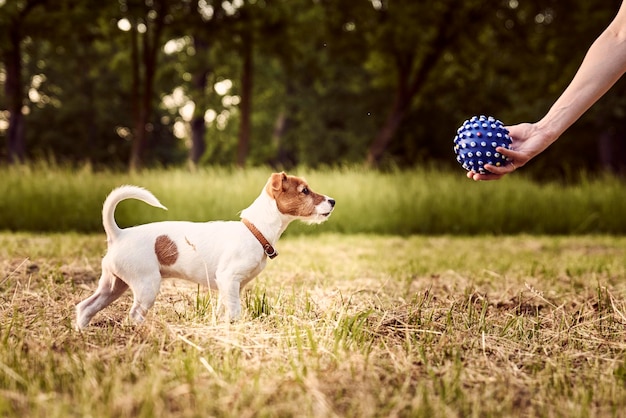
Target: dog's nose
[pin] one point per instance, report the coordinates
(332, 202)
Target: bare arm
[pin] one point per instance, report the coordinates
(603, 65)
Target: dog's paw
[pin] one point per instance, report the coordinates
(233, 314)
(138, 314)
(81, 319)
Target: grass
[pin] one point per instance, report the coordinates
(337, 325)
(403, 202)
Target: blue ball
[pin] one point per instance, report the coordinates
(476, 141)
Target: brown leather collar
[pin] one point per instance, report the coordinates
(267, 247)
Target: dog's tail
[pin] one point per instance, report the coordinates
(115, 197)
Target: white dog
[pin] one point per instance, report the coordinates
(222, 255)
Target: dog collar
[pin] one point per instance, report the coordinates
(267, 247)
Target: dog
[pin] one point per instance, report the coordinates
(225, 255)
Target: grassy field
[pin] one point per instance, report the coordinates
(402, 202)
(338, 325)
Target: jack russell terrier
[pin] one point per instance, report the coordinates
(224, 255)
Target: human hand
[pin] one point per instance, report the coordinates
(527, 141)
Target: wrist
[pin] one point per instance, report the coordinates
(547, 131)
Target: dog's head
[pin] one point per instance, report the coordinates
(294, 198)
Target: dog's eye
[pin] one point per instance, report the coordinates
(305, 190)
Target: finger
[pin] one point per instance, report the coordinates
(517, 130)
(483, 177)
(501, 170)
(512, 154)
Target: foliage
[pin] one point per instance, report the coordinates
(415, 201)
(329, 77)
(338, 325)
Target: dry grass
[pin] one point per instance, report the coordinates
(336, 326)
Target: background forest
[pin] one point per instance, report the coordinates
(140, 83)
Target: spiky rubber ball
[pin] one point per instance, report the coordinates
(476, 141)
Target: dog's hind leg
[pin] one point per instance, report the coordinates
(145, 294)
(109, 289)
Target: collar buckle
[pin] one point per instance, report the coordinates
(270, 251)
(267, 247)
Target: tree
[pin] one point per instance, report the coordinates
(246, 23)
(197, 27)
(147, 21)
(413, 51)
(312, 63)
(247, 81)
(15, 17)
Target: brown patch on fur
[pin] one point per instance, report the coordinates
(166, 250)
(292, 195)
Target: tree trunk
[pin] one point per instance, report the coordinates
(387, 132)
(284, 158)
(13, 84)
(198, 144)
(198, 126)
(150, 50)
(136, 146)
(16, 146)
(612, 151)
(409, 85)
(281, 159)
(246, 101)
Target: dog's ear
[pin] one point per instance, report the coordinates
(275, 183)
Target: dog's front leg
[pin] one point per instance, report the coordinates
(229, 297)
